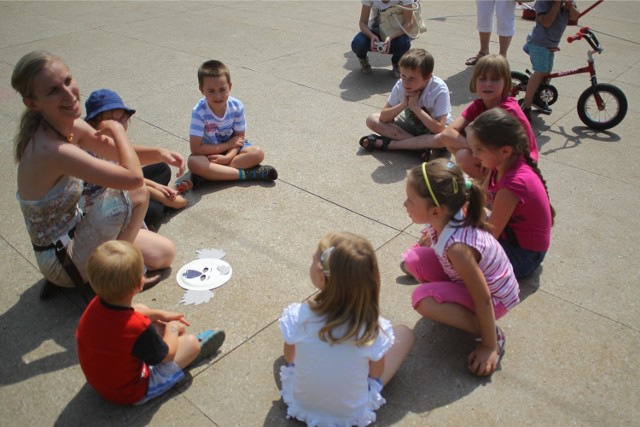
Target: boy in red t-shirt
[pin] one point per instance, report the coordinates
(128, 352)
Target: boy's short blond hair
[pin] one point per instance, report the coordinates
(115, 269)
(213, 68)
(418, 59)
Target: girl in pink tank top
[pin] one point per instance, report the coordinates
(521, 214)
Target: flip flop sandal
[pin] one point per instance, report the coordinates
(474, 59)
(371, 142)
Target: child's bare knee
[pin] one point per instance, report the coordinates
(372, 120)
(191, 343)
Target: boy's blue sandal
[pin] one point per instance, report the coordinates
(368, 142)
(210, 343)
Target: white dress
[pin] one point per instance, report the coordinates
(329, 385)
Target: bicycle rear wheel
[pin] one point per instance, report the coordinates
(602, 106)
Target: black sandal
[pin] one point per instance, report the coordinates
(371, 142)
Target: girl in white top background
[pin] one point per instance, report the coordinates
(339, 350)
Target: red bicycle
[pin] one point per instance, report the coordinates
(601, 106)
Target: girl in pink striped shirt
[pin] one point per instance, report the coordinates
(466, 279)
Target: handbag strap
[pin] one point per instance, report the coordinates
(415, 8)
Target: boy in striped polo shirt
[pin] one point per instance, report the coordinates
(219, 149)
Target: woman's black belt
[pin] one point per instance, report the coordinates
(65, 260)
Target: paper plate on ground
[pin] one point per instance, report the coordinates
(204, 273)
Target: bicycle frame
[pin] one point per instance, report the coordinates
(590, 37)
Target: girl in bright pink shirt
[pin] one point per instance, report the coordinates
(521, 214)
(491, 80)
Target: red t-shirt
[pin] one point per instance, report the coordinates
(510, 105)
(116, 345)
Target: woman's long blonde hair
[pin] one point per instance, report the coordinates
(352, 290)
(22, 80)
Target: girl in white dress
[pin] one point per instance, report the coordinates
(340, 352)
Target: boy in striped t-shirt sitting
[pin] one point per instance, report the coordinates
(219, 149)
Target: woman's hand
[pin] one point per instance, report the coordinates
(374, 43)
(174, 159)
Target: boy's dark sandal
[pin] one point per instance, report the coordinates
(368, 142)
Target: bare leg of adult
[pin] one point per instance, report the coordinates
(158, 251)
(397, 353)
(504, 42)
(485, 38)
(139, 203)
(484, 48)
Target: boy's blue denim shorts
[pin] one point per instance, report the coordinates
(161, 378)
(523, 261)
(541, 58)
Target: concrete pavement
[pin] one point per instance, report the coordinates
(572, 353)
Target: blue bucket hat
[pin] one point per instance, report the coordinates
(104, 100)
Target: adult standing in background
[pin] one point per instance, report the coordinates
(505, 15)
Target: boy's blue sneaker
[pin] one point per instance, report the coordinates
(210, 343)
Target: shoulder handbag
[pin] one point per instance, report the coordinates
(390, 21)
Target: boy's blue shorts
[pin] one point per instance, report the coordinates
(541, 58)
(161, 378)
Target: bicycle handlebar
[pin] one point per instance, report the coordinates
(571, 39)
(589, 36)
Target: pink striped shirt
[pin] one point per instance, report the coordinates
(493, 262)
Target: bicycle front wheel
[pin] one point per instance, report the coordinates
(602, 106)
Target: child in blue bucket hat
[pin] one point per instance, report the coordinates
(106, 104)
